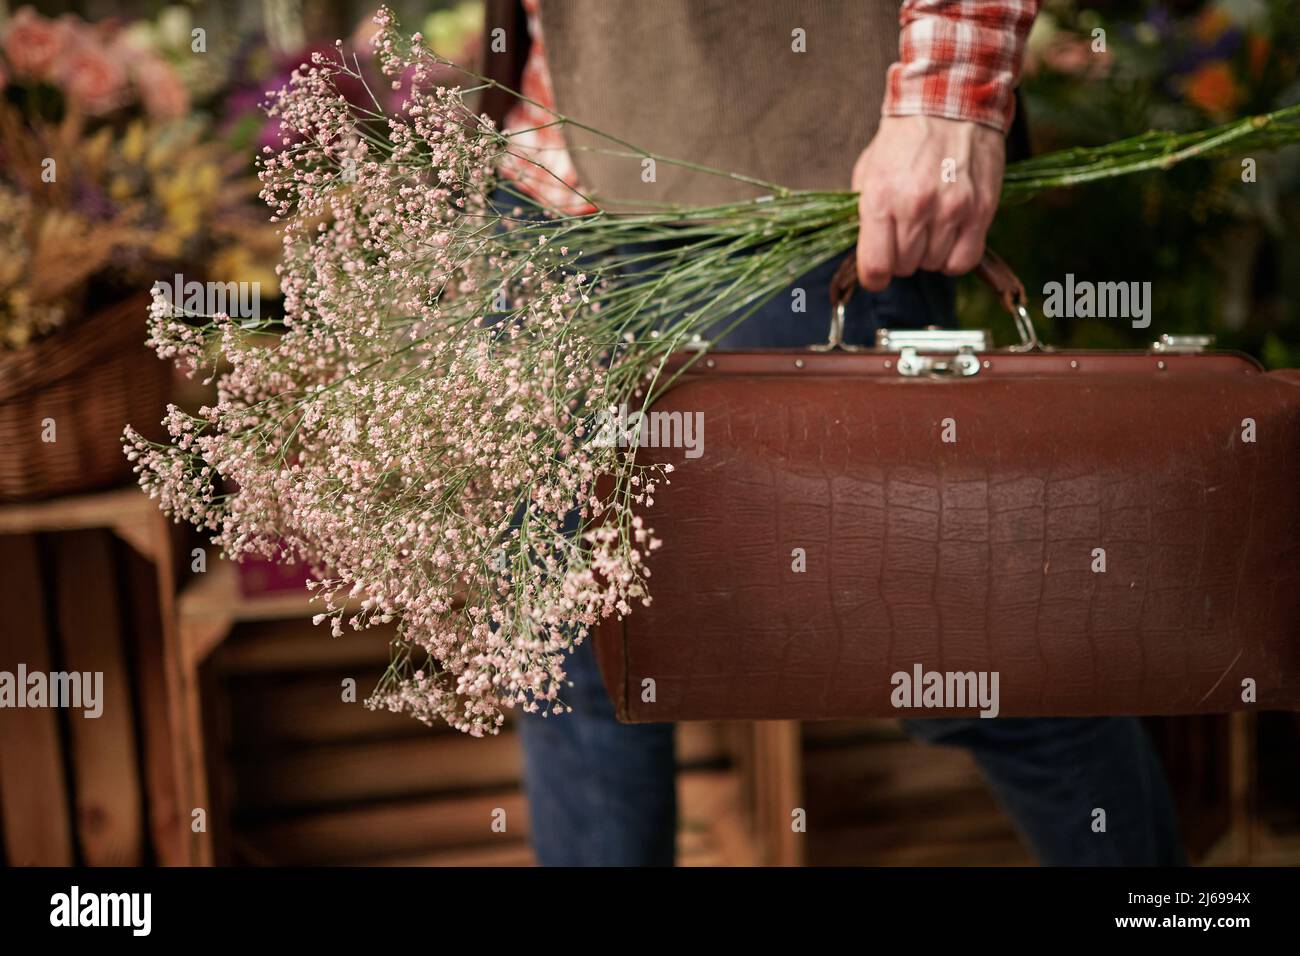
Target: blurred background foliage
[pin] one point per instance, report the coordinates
(1218, 251)
(128, 133)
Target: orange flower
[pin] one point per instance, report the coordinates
(1257, 50)
(1213, 88)
(1211, 24)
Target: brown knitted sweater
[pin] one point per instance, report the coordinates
(787, 91)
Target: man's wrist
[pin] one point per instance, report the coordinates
(992, 121)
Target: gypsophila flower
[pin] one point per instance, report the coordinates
(421, 430)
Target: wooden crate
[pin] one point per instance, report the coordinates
(876, 798)
(77, 789)
(300, 776)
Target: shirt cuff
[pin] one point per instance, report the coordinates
(959, 60)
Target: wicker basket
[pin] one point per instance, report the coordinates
(91, 379)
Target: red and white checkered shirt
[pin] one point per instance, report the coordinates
(958, 59)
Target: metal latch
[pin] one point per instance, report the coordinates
(933, 339)
(1182, 343)
(935, 351)
(911, 362)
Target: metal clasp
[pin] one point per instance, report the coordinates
(1182, 343)
(912, 363)
(933, 339)
(935, 351)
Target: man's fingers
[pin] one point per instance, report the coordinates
(876, 254)
(937, 250)
(967, 249)
(969, 244)
(913, 214)
(911, 238)
(956, 207)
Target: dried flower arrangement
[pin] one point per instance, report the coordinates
(105, 180)
(420, 429)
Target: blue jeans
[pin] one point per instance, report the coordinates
(602, 793)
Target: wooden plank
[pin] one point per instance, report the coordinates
(340, 773)
(1195, 752)
(109, 803)
(159, 726)
(1243, 774)
(389, 830)
(304, 709)
(866, 730)
(217, 846)
(506, 854)
(133, 516)
(992, 851)
(321, 776)
(858, 780)
(713, 828)
(1271, 849)
(429, 829)
(938, 828)
(216, 593)
(895, 802)
(700, 744)
(281, 646)
(711, 802)
(188, 749)
(287, 677)
(778, 773)
(100, 510)
(33, 786)
(279, 711)
(188, 691)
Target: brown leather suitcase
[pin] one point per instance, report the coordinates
(1107, 532)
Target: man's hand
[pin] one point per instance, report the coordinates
(928, 188)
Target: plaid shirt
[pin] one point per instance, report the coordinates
(958, 59)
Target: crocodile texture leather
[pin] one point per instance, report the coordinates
(977, 554)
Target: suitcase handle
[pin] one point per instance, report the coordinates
(992, 269)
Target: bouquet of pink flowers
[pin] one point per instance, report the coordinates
(96, 68)
(420, 429)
